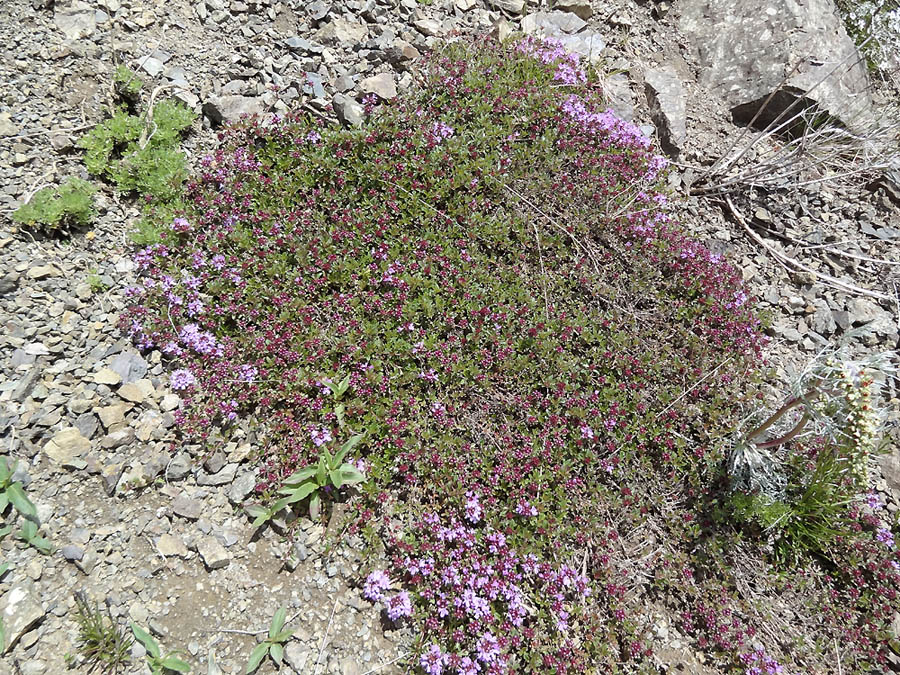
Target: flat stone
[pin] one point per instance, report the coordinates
(342, 32)
(511, 6)
(71, 552)
(382, 85)
(107, 376)
(552, 23)
(78, 20)
(131, 392)
(668, 108)
(213, 553)
(7, 128)
(179, 467)
(67, 445)
(242, 487)
(429, 27)
(152, 66)
(43, 272)
(118, 438)
(230, 108)
(110, 475)
(87, 424)
(169, 546)
(223, 477)
(296, 656)
(112, 414)
(21, 611)
(348, 111)
(130, 366)
(581, 8)
(186, 507)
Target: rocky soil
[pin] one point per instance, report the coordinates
(162, 541)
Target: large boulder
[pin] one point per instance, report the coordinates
(747, 49)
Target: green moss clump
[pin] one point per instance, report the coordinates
(69, 205)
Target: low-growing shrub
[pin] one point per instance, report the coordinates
(59, 209)
(141, 154)
(546, 370)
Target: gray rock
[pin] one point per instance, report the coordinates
(382, 85)
(230, 108)
(668, 108)
(348, 111)
(110, 475)
(21, 610)
(587, 44)
(429, 27)
(822, 321)
(77, 20)
(39, 272)
(511, 6)
(582, 8)
(342, 32)
(215, 462)
(67, 445)
(746, 48)
(71, 552)
(302, 45)
(179, 467)
(552, 23)
(152, 66)
(186, 507)
(314, 85)
(26, 385)
(87, 424)
(130, 366)
(618, 93)
(213, 553)
(7, 128)
(223, 477)
(297, 655)
(169, 545)
(242, 487)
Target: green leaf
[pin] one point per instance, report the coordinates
(347, 447)
(302, 492)
(5, 531)
(351, 474)
(277, 652)
(343, 386)
(6, 470)
(211, 667)
(45, 546)
(337, 479)
(256, 657)
(145, 639)
(315, 506)
(4, 501)
(3, 568)
(28, 531)
(277, 622)
(322, 470)
(2, 635)
(283, 636)
(23, 505)
(303, 474)
(176, 664)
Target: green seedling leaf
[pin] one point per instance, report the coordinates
(4, 501)
(6, 471)
(277, 622)
(277, 652)
(261, 514)
(145, 639)
(176, 664)
(347, 447)
(43, 545)
(337, 478)
(23, 505)
(343, 386)
(298, 493)
(298, 477)
(283, 636)
(351, 474)
(256, 656)
(3, 568)
(322, 469)
(5, 531)
(315, 506)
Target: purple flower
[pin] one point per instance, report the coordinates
(488, 648)
(429, 375)
(473, 508)
(399, 606)
(218, 262)
(375, 585)
(525, 508)
(885, 536)
(320, 436)
(182, 379)
(433, 660)
(587, 432)
(181, 225)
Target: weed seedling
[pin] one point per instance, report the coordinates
(273, 645)
(104, 644)
(69, 205)
(158, 663)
